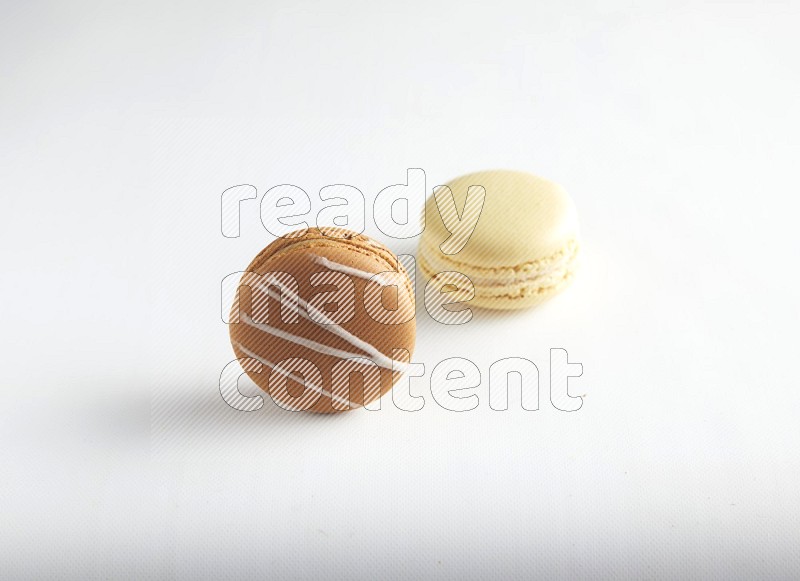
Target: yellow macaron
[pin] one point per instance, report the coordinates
(513, 234)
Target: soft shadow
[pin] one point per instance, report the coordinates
(184, 414)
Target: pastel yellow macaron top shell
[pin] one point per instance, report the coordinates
(524, 247)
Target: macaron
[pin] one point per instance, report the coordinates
(523, 249)
(323, 320)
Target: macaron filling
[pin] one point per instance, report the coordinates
(534, 276)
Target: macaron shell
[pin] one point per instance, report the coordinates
(525, 245)
(315, 342)
(524, 217)
(327, 236)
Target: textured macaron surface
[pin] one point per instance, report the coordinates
(324, 321)
(525, 243)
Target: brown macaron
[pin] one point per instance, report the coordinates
(323, 320)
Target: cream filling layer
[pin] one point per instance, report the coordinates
(541, 273)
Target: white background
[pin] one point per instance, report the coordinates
(673, 125)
